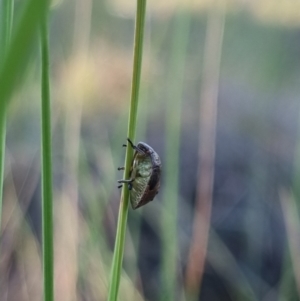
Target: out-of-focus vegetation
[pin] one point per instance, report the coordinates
(253, 239)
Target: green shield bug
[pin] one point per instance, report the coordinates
(144, 175)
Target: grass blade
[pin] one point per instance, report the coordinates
(7, 8)
(7, 19)
(46, 166)
(123, 210)
(173, 129)
(13, 67)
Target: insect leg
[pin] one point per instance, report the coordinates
(129, 186)
(128, 182)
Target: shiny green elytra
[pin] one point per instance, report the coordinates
(144, 175)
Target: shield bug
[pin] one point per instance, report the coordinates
(144, 175)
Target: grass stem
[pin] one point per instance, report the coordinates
(47, 202)
(123, 210)
(7, 19)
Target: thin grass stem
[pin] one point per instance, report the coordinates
(7, 9)
(13, 67)
(47, 201)
(7, 18)
(123, 210)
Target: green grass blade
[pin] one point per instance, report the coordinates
(7, 18)
(7, 8)
(123, 210)
(173, 129)
(47, 204)
(14, 64)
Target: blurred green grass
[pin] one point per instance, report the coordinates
(260, 56)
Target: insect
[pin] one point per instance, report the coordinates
(144, 175)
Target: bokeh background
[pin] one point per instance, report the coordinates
(219, 102)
